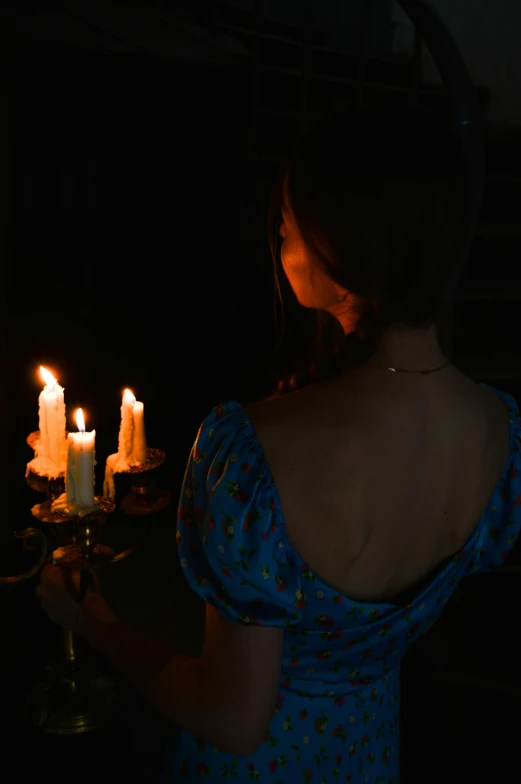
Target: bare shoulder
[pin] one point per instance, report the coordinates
(263, 410)
(492, 402)
(266, 414)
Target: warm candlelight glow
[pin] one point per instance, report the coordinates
(80, 420)
(128, 396)
(47, 377)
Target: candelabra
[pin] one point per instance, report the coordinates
(72, 698)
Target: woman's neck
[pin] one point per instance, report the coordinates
(410, 348)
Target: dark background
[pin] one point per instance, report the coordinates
(132, 258)
(137, 256)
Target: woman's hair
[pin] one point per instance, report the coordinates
(379, 200)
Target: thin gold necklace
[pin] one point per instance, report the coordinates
(403, 370)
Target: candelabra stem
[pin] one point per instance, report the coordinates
(69, 649)
(72, 697)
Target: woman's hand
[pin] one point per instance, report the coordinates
(55, 593)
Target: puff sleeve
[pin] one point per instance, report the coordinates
(229, 534)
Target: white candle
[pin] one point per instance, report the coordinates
(78, 498)
(139, 441)
(79, 479)
(51, 448)
(52, 419)
(132, 445)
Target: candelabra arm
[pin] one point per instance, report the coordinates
(27, 535)
(129, 551)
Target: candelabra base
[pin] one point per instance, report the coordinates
(71, 700)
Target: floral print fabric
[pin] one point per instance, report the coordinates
(337, 713)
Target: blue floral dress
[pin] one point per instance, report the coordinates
(338, 707)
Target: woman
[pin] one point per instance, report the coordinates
(327, 528)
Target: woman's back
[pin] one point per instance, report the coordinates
(312, 514)
(382, 476)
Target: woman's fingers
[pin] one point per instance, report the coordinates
(52, 575)
(96, 585)
(60, 578)
(57, 580)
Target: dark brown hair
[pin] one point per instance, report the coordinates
(379, 199)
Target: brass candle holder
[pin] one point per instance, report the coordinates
(145, 499)
(73, 697)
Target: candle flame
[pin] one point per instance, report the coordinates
(47, 377)
(128, 396)
(80, 420)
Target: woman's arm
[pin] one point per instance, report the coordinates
(215, 703)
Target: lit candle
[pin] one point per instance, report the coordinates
(50, 449)
(78, 498)
(79, 480)
(132, 444)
